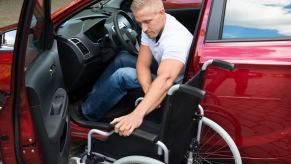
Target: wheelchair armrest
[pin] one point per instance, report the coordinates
(192, 91)
(145, 135)
(196, 92)
(138, 133)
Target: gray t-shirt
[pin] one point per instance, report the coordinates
(174, 43)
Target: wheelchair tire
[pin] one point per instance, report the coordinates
(215, 145)
(137, 159)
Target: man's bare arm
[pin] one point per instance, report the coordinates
(168, 71)
(143, 65)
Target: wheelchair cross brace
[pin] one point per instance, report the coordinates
(138, 133)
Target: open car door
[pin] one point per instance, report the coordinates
(39, 102)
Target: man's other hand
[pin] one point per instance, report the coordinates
(125, 125)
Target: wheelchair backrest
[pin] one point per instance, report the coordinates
(178, 128)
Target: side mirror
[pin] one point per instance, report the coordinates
(7, 38)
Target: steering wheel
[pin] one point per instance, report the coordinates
(126, 33)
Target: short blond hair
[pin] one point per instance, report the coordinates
(137, 5)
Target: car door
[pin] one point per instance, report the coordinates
(39, 102)
(44, 86)
(253, 102)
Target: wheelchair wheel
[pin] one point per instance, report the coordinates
(135, 159)
(215, 146)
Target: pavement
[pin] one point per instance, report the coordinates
(10, 10)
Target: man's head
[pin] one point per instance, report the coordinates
(150, 15)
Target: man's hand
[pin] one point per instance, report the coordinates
(125, 125)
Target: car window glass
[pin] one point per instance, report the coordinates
(57, 4)
(8, 38)
(35, 40)
(257, 19)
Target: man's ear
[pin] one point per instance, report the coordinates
(162, 11)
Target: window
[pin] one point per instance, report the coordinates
(8, 38)
(8, 22)
(257, 19)
(35, 38)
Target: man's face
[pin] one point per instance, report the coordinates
(150, 21)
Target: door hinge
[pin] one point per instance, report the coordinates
(3, 98)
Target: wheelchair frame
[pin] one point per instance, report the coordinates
(194, 155)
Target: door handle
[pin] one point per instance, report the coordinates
(57, 104)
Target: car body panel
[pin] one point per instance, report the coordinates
(252, 102)
(257, 52)
(5, 70)
(7, 28)
(6, 61)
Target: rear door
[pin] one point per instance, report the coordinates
(41, 103)
(252, 103)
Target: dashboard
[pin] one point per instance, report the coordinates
(87, 42)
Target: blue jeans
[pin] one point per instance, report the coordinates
(112, 85)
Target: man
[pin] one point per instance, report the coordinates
(165, 41)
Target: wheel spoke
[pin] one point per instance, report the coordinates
(208, 160)
(212, 147)
(206, 134)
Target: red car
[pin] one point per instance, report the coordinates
(55, 59)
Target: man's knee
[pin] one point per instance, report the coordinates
(126, 73)
(121, 57)
(126, 76)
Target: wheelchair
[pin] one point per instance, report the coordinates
(184, 135)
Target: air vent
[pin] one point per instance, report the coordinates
(83, 48)
(75, 40)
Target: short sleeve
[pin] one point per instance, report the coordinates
(177, 47)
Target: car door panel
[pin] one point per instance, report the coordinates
(48, 102)
(5, 70)
(5, 74)
(252, 103)
(259, 88)
(34, 124)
